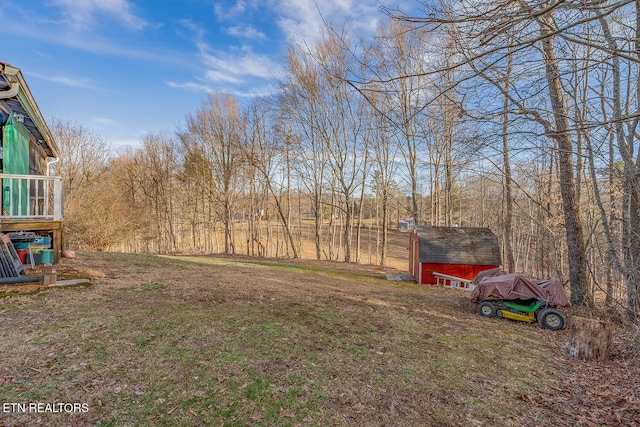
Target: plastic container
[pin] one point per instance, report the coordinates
(22, 254)
(42, 241)
(46, 256)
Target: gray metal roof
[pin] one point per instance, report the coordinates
(458, 245)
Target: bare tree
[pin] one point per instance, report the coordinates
(400, 87)
(83, 165)
(302, 109)
(156, 166)
(479, 29)
(83, 159)
(268, 152)
(214, 135)
(343, 132)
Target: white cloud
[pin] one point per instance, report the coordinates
(63, 80)
(302, 19)
(305, 19)
(243, 68)
(81, 14)
(222, 76)
(236, 90)
(224, 12)
(190, 86)
(103, 122)
(194, 28)
(261, 91)
(230, 66)
(246, 32)
(17, 22)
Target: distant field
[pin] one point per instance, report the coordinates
(233, 341)
(304, 234)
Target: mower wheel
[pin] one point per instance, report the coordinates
(487, 309)
(551, 318)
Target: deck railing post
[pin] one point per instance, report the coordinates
(58, 202)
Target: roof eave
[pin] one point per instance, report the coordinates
(14, 75)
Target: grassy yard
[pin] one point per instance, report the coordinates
(232, 342)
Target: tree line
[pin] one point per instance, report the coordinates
(520, 116)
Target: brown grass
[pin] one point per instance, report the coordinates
(234, 341)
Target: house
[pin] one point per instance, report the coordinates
(31, 199)
(458, 252)
(406, 225)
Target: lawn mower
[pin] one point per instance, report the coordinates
(517, 298)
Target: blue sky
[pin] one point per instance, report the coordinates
(124, 68)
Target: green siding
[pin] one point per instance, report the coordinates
(15, 161)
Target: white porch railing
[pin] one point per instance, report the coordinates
(453, 282)
(32, 197)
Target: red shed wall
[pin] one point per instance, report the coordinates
(463, 271)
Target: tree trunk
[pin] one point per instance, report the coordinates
(385, 231)
(632, 252)
(319, 216)
(590, 338)
(509, 262)
(346, 233)
(580, 294)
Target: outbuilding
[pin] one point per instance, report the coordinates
(459, 252)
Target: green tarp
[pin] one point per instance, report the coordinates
(15, 145)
